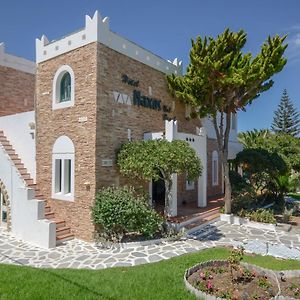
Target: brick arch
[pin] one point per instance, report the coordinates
(6, 197)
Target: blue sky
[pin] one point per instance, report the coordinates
(166, 28)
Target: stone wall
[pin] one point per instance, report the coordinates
(98, 77)
(51, 124)
(114, 119)
(16, 91)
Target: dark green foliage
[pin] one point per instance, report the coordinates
(239, 183)
(261, 167)
(285, 145)
(286, 117)
(118, 211)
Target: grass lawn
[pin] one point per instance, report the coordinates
(296, 196)
(162, 280)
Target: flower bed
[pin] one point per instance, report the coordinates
(213, 280)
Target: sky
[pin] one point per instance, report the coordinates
(166, 28)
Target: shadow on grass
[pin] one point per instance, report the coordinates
(65, 279)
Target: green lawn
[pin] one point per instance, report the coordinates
(162, 280)
(296, 196)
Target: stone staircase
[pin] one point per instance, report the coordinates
(63, 232)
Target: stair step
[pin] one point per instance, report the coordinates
(29, 181)
(211, 217)
(47, 208)
(33, 185)
(17, 161)
(26, 176)
(64, 238)
(62, 231)
(5, 143)
(49, 215)
(60, 223)
(14, 157)
(10, 151)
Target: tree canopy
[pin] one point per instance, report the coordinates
(285, 145)
(286, 117)
(159, 159)
(221, 79)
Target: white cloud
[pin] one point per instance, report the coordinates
(293, 40)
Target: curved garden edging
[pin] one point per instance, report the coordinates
(272, 274)
(236, 220)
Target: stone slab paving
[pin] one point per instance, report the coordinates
(79, 254)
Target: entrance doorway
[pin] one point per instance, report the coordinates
(158, 194)
(3, 209)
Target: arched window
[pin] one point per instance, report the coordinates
(63, 156)
(215, 168)
(63, 88)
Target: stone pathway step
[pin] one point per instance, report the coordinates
(63, 238)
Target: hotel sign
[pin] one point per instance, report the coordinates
(138, 99)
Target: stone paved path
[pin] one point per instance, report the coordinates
(78, 254)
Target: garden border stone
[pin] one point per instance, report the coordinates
(236, 220)
(270, 273)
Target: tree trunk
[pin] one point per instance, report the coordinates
(227, 196)
(168, 197)
(223, 140)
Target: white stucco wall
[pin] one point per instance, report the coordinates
(16, 129)
(27, 214)
(210, 130)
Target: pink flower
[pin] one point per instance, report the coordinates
(209, 285)
(202, 275)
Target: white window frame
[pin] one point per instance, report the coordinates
(63, 150)
(56, 104)
(189, 185)
(215, 162)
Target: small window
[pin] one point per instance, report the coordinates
(189, 185)
(63, 169)
(63, 88)
(215, 168)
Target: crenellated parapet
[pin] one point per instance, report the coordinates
(98, 30)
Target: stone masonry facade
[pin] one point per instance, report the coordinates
(114, 119)
(98, 74)
(51, 124)
(17, 90)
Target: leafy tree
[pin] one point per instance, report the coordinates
(159, 159)
(221, 80)
(286, 118)
(253, 138)
(261, 167)
(285, 145)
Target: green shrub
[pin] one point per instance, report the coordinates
(261, 215)
(118, 211)
(238, 183)
(243, 201)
